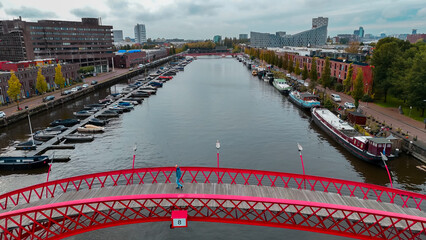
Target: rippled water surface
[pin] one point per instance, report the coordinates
(212, 99)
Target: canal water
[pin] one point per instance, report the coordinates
(213, 99)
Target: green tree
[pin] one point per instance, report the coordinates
(358, 91)
(285, 62)
(305, 72)
(385, 61)
(326, 74)
(59, 78)
(297, 68)
(41, 84)
(417, 81)
(347, 83)
(314, 74)
(14, 88)
(290, 67)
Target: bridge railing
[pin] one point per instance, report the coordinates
(213, 175)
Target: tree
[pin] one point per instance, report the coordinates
(297, 69)
(305, 72)
(347, 83)
(41, 84)
(326, 74)
(385, 61)
(358, 91)
(59, 78)
(353, 47)
(285, 62)
(417, 81)
(14, 87)
(313, 74)
(290, 67)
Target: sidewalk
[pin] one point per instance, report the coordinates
(37, 100)
(391, 116)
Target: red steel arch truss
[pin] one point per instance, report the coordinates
(59, 220)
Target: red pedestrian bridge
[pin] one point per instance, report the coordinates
(212, 54)
(66, 207)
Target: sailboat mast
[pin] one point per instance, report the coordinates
(31, 129)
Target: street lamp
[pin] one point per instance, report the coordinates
(217, 147)
(409, 115)
(134, 156)
(300, 148)
(384, 159)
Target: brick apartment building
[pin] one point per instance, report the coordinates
(87, 43)
(27, 75)
(132, 58)
(339, 68)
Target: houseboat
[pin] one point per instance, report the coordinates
(281, 85)
(23, 162)
(304, 100)
(366, 148)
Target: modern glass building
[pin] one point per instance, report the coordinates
(140, 33)
(316, 36)
(118, 35)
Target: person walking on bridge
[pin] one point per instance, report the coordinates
(178, 176)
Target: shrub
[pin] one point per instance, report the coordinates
(366, 98)
(328, 104)
(338, 87)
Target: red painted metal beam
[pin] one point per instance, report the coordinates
(213, 175)
(322, 218)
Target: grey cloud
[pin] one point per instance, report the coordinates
(200, 9)
(117, 5)
(1, 5)
(29, 12)
(86, 12)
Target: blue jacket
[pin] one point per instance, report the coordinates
(178, 173)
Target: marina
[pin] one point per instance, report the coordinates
(88, 122)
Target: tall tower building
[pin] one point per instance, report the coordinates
(361, 32)
(140, 33)
(319, 21)
(118, 35)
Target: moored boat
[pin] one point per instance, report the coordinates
(281, 85)
(83, 113)
(28, 145)
(43, 135)
(66, 122)
(97, 122)
(304, 100)
(366, 148)
(89, 128)
(23, 162)
(79, 138)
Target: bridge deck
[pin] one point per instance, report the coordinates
(236, 190)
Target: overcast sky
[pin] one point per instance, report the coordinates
(203, 19)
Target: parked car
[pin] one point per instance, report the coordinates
(130, 69)
(66, 92)
(94, 82)
(349, 105)
(73, 89)
(2, 114)
(85, 85)
(48, 98)
(336, 97)
(79, 88)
